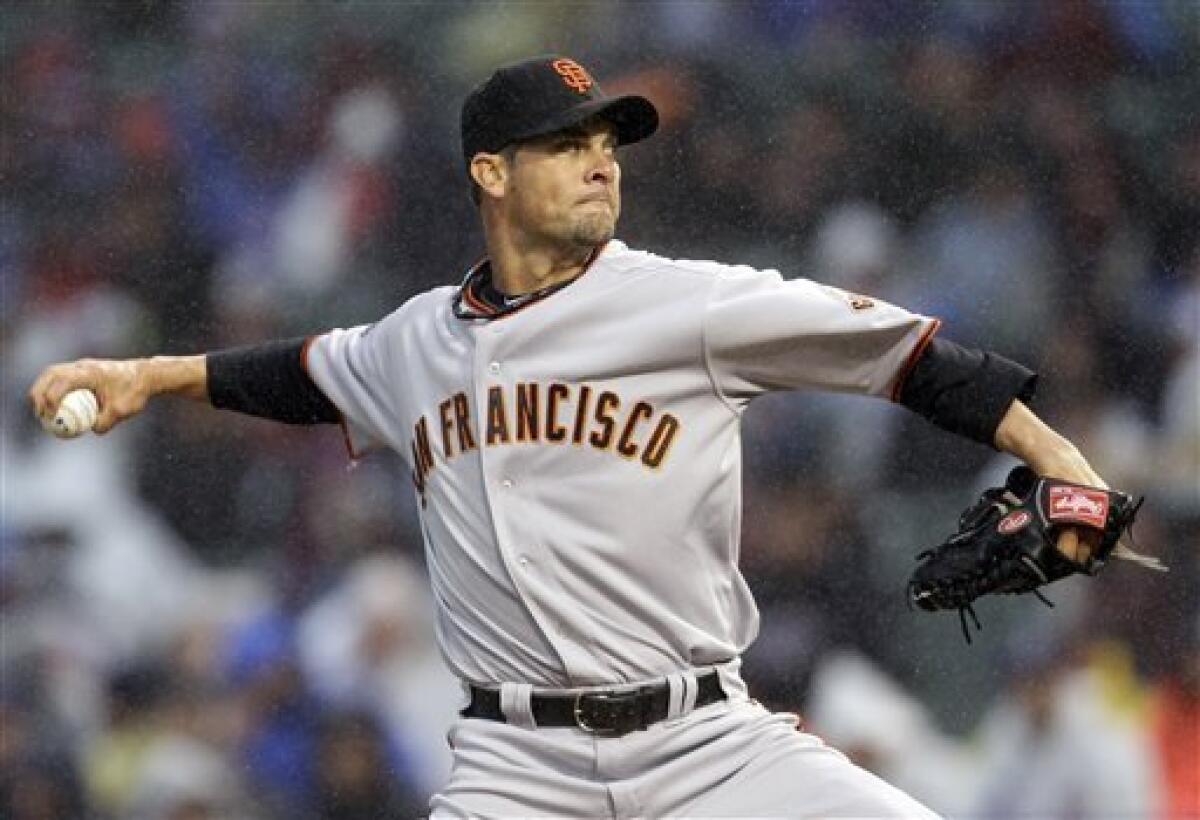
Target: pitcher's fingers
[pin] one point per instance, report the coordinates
(1071, 546)
(57, 385)
(1078, 544)
(44, 395)
(56, 381)
(107, 418)
(37, 391)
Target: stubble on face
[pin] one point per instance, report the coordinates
(592, 229)
(579, 229)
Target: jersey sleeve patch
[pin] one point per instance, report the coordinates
(855, 301)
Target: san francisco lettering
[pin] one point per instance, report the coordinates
(538, 413)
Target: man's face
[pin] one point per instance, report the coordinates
(565, 187)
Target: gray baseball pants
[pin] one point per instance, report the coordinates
(728, 759)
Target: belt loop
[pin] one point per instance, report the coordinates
(690, 690)
(675, 690)
(683, 689)
(517, 705)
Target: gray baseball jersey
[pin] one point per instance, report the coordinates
(578, 461)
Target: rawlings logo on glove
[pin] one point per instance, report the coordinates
(1078, 505)
(1006, 542)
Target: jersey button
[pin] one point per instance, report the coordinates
(494, 367)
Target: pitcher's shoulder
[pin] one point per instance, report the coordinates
(426, 306)
(626, 260)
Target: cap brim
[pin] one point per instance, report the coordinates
(634, 117)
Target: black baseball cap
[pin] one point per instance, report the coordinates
(542, 95)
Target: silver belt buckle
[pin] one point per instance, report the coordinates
(621, 711)
(577, 710)
(579, 715)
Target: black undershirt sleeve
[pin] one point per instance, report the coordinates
(268, 380)
(965, 391)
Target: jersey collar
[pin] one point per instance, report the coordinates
(478, 300)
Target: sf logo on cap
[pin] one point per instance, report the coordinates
(573, 74)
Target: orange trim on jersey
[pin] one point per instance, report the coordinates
(476, 304)
(914, 357)
(346, 438)
(304, 353)
(341, 417)
(504, 314)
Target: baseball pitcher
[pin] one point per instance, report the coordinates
(570, 417)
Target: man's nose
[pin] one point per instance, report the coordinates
(602, 168)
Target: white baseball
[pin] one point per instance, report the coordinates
(76, 414)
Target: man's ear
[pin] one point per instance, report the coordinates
(490, 173)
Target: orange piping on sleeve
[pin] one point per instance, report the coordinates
(914, 357)
(341, 418)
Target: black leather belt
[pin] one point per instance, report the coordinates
(606, 712)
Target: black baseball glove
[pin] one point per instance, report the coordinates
(1006, 542)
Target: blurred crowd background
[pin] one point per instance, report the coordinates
(210, 616)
